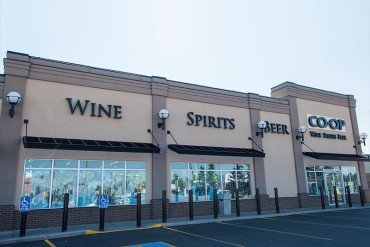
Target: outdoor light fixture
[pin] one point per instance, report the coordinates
(302, 129)
(13, 99)
(363, 136)
(163, 114)
(261, 125)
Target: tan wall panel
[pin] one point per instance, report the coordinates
(206, 136)
(47, 109)
(81, 155)
(325, 145)
(279, 162)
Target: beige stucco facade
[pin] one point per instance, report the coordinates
(227, 120)
(47, 109)
(49, 115)
(279, 171)
(208, 136)
(326, 145)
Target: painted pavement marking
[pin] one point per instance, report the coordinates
(156, 244)
(281, 232)
(339, 217)
(199, 236)
(47, 241)
(322, 224)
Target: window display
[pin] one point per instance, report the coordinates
(202, 178)
(329, 176)
(84, 180)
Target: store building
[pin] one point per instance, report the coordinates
(86, 131)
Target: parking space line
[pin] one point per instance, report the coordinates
(269, 230)
(322, 224)
(340, 217)
(199, 236)
(155, 244)
(49, 243)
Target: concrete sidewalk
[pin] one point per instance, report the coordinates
(11, 237)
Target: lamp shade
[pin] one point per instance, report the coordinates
(363, 135)
(13, 98)
(302, 129)
(261, 124)
(163, 114)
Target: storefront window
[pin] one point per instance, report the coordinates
(350, 178)
(202, 178)
(46, 181)
(196, 181)
(64, 181)
(329, 176)
(90, 187)
(135, 183)
(179, 182)
(37, 186)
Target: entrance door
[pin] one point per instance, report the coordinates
(333, 178)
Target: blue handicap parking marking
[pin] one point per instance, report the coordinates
(25, 204)
(103, 199)
(156, 244)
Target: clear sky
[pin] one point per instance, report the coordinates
(247, 46)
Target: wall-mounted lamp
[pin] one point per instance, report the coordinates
(301, 129)
(163, 114)
(363, 137)
(261, 125)
(13, 99)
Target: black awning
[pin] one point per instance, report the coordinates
(88, 145)
(218, 151)
(333, 156)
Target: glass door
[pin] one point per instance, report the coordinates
(333, 177)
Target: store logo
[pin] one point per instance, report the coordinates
(210, 121)
(328, 123)
(94, 109)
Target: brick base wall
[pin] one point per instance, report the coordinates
(6, 217)
(10, 217)
(310, 201)
(367, 195)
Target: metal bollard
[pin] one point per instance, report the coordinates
(65, 212)
(164, 206)
(191, 208)
(101, 222)
(215, 204)
(349, 196)
(258, 200)
(322, 198)
(361, 196)
(138, 210)
(336, 196)
(237, 202)
(277, 204)
(23, 224)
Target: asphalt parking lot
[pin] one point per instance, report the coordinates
(338, 228)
